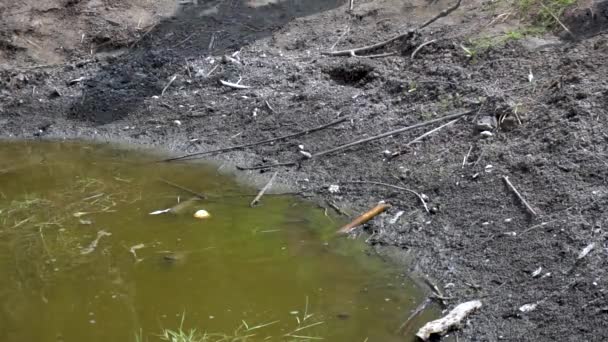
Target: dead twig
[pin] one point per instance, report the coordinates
(466, 158)
(262, 142)
(402, 151)
(393, 132)
(519, 196)
(257, 198)
(362, 141)
(419, 309)
(168, 85)
(177, 186)
(351, 5)
(421, 46)
(557, 19)
(340, 38)
(234, 85)
(375, 211)
(396, 188)
(260, 167)
(369, 48)
(335, 207)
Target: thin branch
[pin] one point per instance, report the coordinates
(421, 46)
(340, 38)
(257, 198)
(168, 84)
(519, 196)
(353, 52)
(234, 85)
(262, 142)
(393, 132)
(402, 151)
(394, 187)
(419, 309)
(260, 167)
(557, 19)
(441, 14)
(361, 141)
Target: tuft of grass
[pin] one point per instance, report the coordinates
(542, 14)
(301, 332)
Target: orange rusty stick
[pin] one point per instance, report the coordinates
(375, 211)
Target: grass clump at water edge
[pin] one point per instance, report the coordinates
(243, 333)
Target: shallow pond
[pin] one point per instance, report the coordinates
(82, 259)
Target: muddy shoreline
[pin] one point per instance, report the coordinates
(477, 241)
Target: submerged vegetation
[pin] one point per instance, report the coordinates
(300, 329)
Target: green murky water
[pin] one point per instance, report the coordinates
(82, 259)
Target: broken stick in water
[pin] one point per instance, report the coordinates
(419, 309)
(375, 211)
(257, 198)
(519, 196)
(452, 319)
(89, 249)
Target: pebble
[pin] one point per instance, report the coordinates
(486, 134)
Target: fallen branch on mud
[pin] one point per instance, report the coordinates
(519, 196)
(362, 141)
(453, 319)
(421, 46)
(257, 198)
(369, 48)
(393, 132)
(394, 187)
(168, 85)
(402, 151)
(267, 166)
(375, 211)
(234, 85)
(240, 147)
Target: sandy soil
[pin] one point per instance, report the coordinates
(137, 79)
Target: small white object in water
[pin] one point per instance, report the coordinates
(158, 212)
(202, 214)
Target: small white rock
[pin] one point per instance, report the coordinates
(202, 214)
(486, 134)
(528, 307)
(306, 155)
(177, 122)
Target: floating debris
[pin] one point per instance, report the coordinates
(133, 250)
(202, 214)
(158, 212)
(93, 244)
